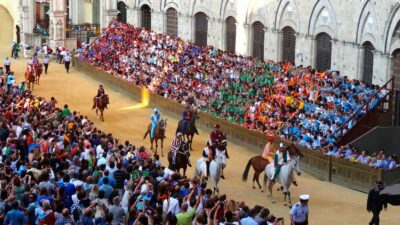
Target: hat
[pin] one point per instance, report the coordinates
(281, 145)
(304, 197)
(217, 126)
(179, 134)
(156, 110)
(378, 182)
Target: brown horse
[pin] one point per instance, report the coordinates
(30, 78)
(190, 130)
(38, 70)
(101, 104)
(259, 163)
(181, 160)
(159, 134)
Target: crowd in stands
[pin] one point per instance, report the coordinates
(296, 103)
(57, 168)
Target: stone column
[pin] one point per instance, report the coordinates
(27, 19)
(57, 28)
(109, 11)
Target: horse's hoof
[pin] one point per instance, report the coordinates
(262, 191)
(253, 187)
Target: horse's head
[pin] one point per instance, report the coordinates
(224, 142)
(105, 99)
(294, 165)
(220, 157)
(185, 149)
(163, 124)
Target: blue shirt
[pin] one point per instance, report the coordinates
(154, 118)
(107, 190)
(299, 212)
(111, 181)
(15, 217)
(248, 221)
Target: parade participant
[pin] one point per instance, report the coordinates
(67, 61)
(100, 92)
(46, 62)
(269, 148)
(216, 136)
(208, 154)
(7, 64)
(176, 144)
(299, 212)
(155, 118)
(374, 202)
(281, 157)
(186, 116)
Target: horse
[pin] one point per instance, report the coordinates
(38, 71)
(159, 134)
(30, 78)
(258, 163)
(216, 168)
(190, 128)
(285, 178)
(181, 160)
(101, 104)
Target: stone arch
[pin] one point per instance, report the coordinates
(323, 19)
(258, 39)
(230, 34)
(390, 29)
(288, 44)
(200, 28)
(366, 26)
(146, 2)
(167, 4)
(323, 51)
(287, 15)
(228, 9)
(257, 12)
(122, 15)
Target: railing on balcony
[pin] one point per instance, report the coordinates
(368, 106)
(83, 32)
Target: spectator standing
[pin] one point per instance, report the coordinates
(374, 202)
(299, 212)
(67, 61)
(46, 62)
(7, 64)
(14, 216)
(250, 219)
(66, 218)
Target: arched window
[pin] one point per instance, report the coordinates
(230, 34)
(288, 44)
(323, 51)
(146, 16)
(201, 29)
(96, 11)
(368, 68)
(258, 40)
(122, 12)
(172, 22)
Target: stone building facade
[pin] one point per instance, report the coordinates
(360, 38)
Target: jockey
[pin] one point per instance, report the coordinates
(35, 61)
(216, 136)
(186, 116)
(100, 92)
(176, 145)
(281, 157)
(155, 118)
(269, 148)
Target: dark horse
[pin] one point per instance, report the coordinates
(159, 134)
(190, 128)
(181, 160)
(101, 104)
(259, 163)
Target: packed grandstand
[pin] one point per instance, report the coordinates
(296, 103)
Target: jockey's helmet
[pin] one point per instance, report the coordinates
(179, 134)
(156, 110)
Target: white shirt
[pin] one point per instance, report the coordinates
(7, 62)
(173, 206)
(99, 151)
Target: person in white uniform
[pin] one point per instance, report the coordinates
(299, 212)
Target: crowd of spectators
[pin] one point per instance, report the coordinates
(297, 103)
(57, 168)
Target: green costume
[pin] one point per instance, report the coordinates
(276, 163)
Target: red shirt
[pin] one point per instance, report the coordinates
(50, 219)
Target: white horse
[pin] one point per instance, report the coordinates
(216, 167)
(285, 178)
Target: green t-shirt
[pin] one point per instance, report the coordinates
(186, 217)
(66, 112)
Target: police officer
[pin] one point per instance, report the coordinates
(374, 203)
(299, 212)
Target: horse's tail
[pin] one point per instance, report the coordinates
(145, 134)
(246, 170)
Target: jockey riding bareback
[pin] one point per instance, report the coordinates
(155, 118)
(186, 116)
(100, 92)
